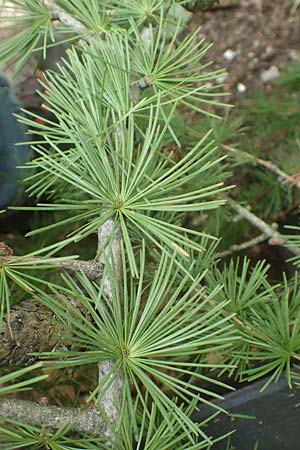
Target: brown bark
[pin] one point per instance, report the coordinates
(29, 328)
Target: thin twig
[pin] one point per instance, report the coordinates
(282, 176)
(92, 269)
(51, 417)
(244, 245)
(275, 238)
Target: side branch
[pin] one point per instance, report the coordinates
(87, 421)
(282, 176)
(92, 269)
(243, 246)
(275, 238)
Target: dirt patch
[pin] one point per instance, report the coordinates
(250, 37)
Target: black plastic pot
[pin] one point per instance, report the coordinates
(275, 422)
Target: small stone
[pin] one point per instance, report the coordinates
(241, 88)
(146, 36)
(294, 55)
(229, 54)
(270, 74)
(269, 50)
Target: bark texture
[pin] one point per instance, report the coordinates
(111, 401)
(29, 328)
(52, 417)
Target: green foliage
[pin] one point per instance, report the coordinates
(275, 334)
(293, 240)
(102, 129)
(22, 435)
(148, 334)
(32, 19)
(258, 138)
(274, 197)
(115, 145)
(160, 61)
(20, 385)
(140, 10)
(290, 77)
(266, 321)
(139, 183)
(244, 290)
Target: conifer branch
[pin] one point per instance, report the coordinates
(53, 417)
(91, 268)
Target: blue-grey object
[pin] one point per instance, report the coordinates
(266, 420)
(144, 84)
(11, 132)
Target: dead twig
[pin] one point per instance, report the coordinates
(283, 177)
(243, 246)
(274, 237)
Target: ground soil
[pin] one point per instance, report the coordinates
(260, 33)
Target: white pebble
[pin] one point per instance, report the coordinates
(270, 74)
(229, 54)
(294, 55)
(241, 88)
